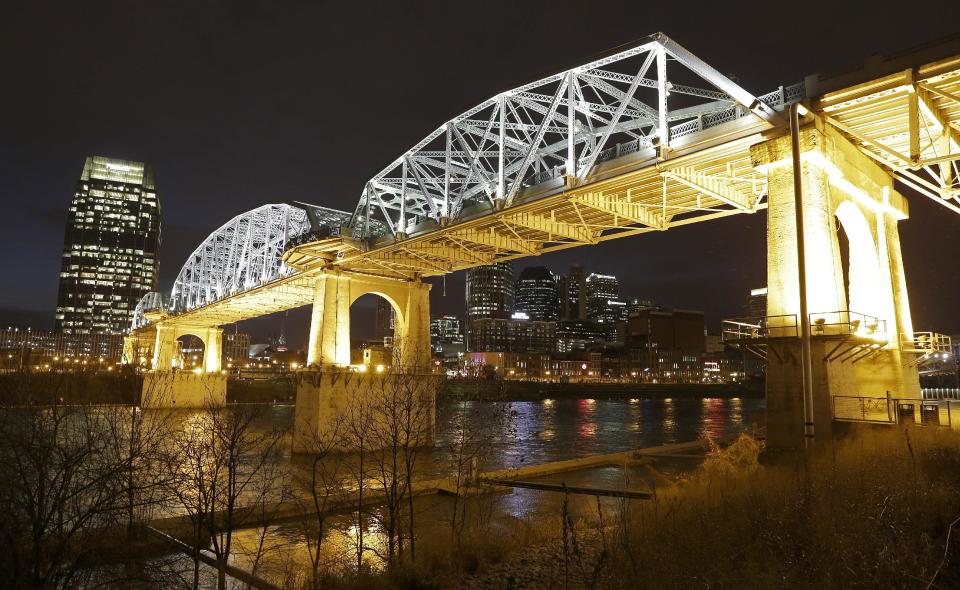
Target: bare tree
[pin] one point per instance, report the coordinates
(323, 484)
(469, 439)
(356, 435)
(225, 458)
(65, 490)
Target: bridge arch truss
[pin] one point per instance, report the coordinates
(643, 97)
(246, 252)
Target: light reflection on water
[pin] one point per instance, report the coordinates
(536, 432)
(553, 430)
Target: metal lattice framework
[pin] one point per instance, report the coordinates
(563, 125)
(246, 252)
(909, 122)
(151, 301)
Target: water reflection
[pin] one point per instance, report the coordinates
(552, 430)
(523, 433)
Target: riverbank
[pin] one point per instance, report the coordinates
(123, 387)
(507, 390)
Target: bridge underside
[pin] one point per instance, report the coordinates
(642, 192)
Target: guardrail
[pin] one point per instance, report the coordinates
(324, 232)
(759, 327)
(893, 410)
(848, 323)
(927, 343)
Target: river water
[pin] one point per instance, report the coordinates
(524, 433)
(531, 432)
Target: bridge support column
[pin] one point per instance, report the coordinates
(332, 396)
(166, 386)
(329, 343)
(138, 347)
(852, 354)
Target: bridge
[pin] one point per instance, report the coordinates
(642, 140)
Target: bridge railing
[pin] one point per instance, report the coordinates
(848, 323)
(759, 327)
(323, 233)
(778, 99)
(894, 410)
(927, 343)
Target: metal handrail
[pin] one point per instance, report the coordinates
(930, 343)
(893, 410)
(757, 327)
(848, 323)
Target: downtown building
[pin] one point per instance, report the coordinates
(537, 295)
(446, 339)
(517, 334)
(664, 346)
(111, 247)
(489, 294)
(573, 292)
(384, 322)
(605, 306)
(755, 305)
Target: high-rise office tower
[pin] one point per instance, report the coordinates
(489, 293)
(446, 329)
(604, 304)
(573, 290)
(537, 294)
(111, 247)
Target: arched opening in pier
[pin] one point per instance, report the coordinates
(862, 280)
(190, 352)
(375, 325)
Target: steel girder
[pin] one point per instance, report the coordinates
(563, 125)
(910, 123)
(246, 252)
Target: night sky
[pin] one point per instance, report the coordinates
(240, 103)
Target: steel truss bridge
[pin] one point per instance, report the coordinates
(642, 140)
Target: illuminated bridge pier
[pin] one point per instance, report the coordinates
(644, 140)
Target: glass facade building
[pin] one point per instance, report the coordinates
(110, 249)
(604, 304)
(573, 290)
(489, 294)
(537, 294)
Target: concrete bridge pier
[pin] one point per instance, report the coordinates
(358, 404)
(858, 306)
(166, 384)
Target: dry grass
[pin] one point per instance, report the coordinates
(868, 512)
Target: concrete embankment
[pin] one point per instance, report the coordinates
(483, 389)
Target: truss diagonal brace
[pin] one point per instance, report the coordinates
(456, 254)
(711, 186)
(551, 227)
(633, 212)
(935, 113)
(723, 83)
(493, 240)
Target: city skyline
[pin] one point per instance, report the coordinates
(678, 268)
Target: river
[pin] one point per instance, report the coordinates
(526, 432)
